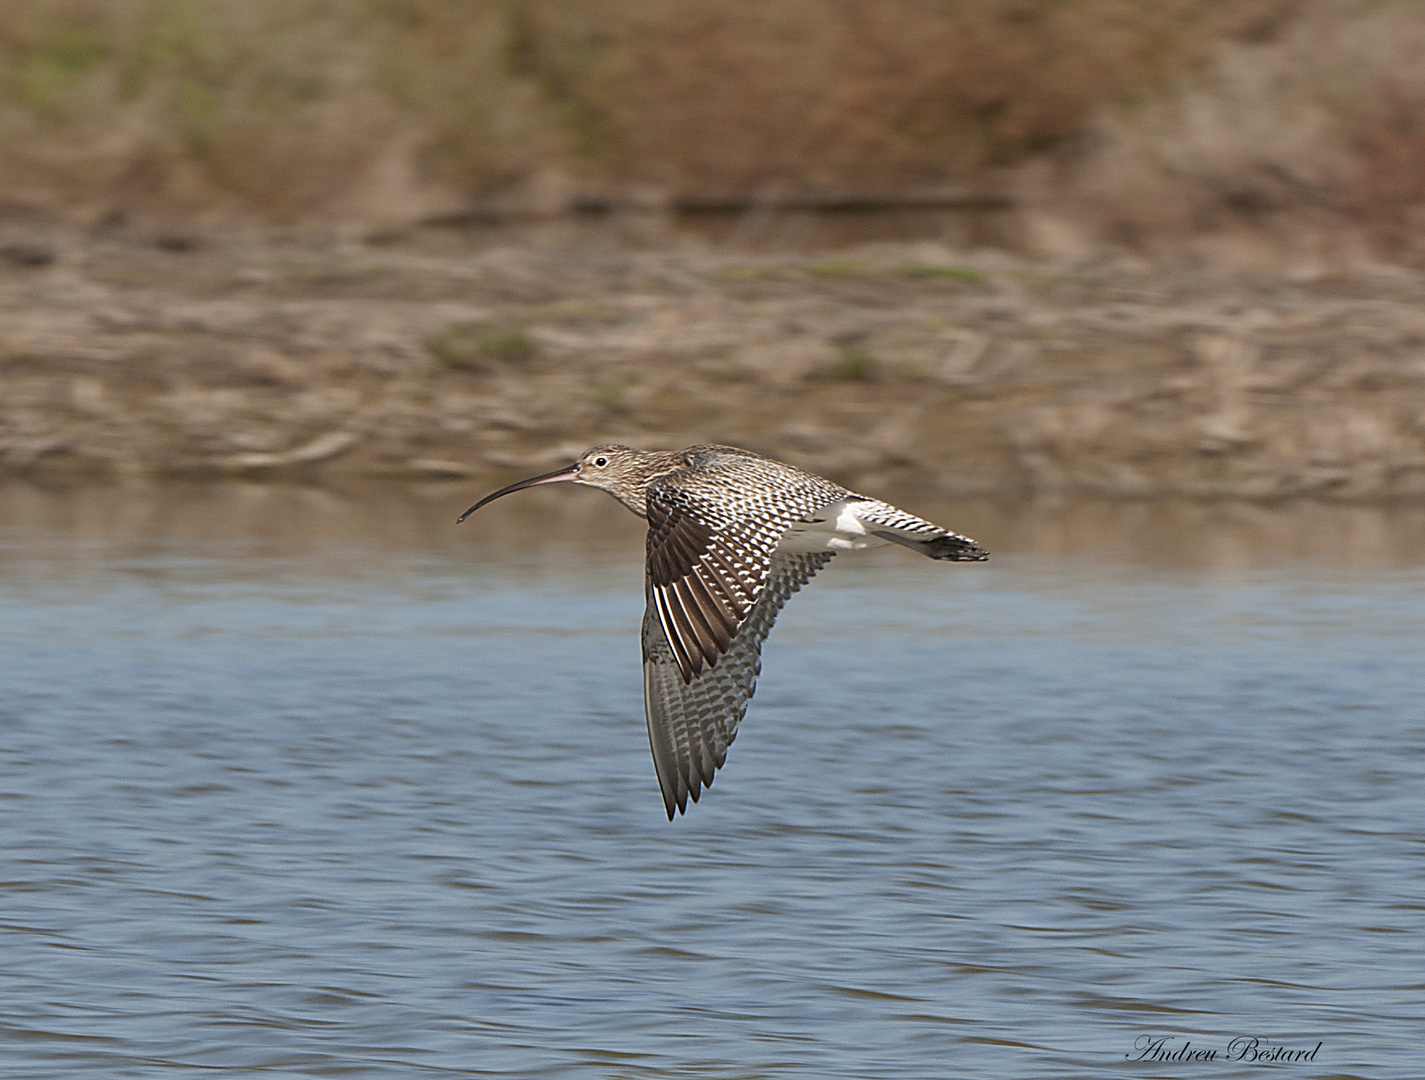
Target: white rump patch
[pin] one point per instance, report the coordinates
(837, 527)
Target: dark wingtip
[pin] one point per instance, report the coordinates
(955, 548)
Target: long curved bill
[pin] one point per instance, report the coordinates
(554, 477)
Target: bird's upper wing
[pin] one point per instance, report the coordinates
(703, 579)
(692, 722)
(712, 532)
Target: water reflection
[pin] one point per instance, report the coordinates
(291, 521)
(310, 782)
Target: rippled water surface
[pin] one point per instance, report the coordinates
(293, 783)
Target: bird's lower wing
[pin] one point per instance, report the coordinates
(691, 724)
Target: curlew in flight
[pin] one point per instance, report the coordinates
(731, 535)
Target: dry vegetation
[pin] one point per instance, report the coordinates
(1294, 125)
(1309, 140)
(360, 111)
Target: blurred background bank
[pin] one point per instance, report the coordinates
(1107, 246)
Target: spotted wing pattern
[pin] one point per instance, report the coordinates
(702, 584)
(712, 530)
(692, 722)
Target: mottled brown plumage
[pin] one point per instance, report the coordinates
(731, 535)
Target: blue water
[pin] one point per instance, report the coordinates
(328, 806)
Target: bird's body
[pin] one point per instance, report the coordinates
(731, 535)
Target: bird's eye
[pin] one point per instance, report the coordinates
(601, 461)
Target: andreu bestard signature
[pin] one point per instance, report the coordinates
(1242, 1048)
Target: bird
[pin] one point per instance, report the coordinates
(731, 536)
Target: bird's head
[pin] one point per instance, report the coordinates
(622, 471)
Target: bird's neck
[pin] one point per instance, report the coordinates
(637, 501)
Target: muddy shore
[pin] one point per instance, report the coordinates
(891, 364)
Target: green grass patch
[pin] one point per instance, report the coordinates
(855, 364)
(42, 79)
(579, 311)
(964, 274)
(509, 345)
(756, 273)
(472, 347)
(838, 268)
(609, 397)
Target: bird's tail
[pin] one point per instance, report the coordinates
(948, 545)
